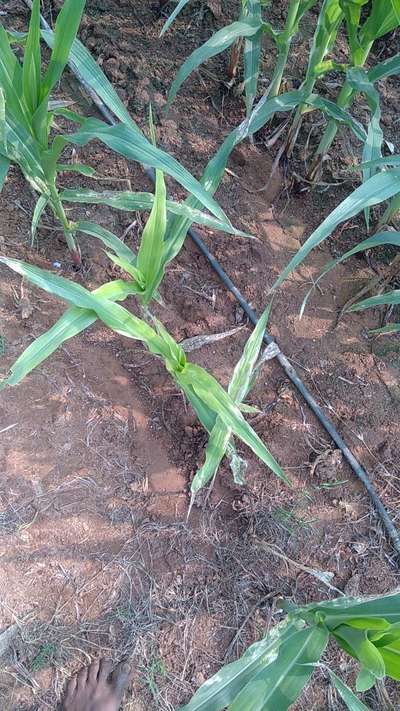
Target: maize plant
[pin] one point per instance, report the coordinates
(249, 27)
(30, 138)
(273, 672)
(380, 187)
(383, 17)
(219, 411)
(334, 14)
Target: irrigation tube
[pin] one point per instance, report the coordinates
(291, 373)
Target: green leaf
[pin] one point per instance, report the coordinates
(130, 269)
(338, 611)
(31, 75)
(82, 61)
(220, 41)
(329, 20)
(65, 31)
(23, 150)
(239, 386)
(113, 315)
(80, 168)
(377, 240)
(390, 328)
(219, 691)
(383, 18)
(133, 145)
(11, 80)
(176, 354)
(350, 699)
(336, 112)
(205, 414)
(356, 643)
(369, 623)
(37, 214)
(242, 375)
(216, 398)
(384, 161)
(390, 297)
(375, 190)
(3, 124)
(4, 167)
(391, 657)
(252, 55)
(126, 200)
(279, 684)
(73, 321)
(364, 681)
(150, 254)
(181, 4)
(359, 81)
(214, 171)
(385, 69)
(107, 238)
(68, 114)
(215, 451)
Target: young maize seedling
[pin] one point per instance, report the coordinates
(381, 186)
(220, 440)
(146, 269)
(273, 672)
(210, 400)
(249, 28)
(384, 17)
(24, 108)
(329, 21)
(27, 117)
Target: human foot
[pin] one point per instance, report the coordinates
(96, 689)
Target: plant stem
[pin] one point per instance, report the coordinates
(324, 36)
(284, 42)
(344, 100)
(68, 228)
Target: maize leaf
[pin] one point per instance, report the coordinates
(221, 690)
(129, 201)
(352, 702)
(181, 4)
(375, 190)
(252, 54)
(385, 69)
(4, 167)
(31, 68)
(107, 238)
(37, 214)
(238, 389)
(220, 41)
(133, 145)
(377, 240)
(216, 398)
(64, 34)
(279, 684)
(356, 643)
(390, 297)
(73, 321)
(82, 61)
(150, 254)
(114, 316)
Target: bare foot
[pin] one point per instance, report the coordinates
(96, 689)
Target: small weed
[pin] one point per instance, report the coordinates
(44, 657)
(153, 673)
(289, 521)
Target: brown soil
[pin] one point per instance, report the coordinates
(98, 447)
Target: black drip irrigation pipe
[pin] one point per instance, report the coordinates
(291, 373)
